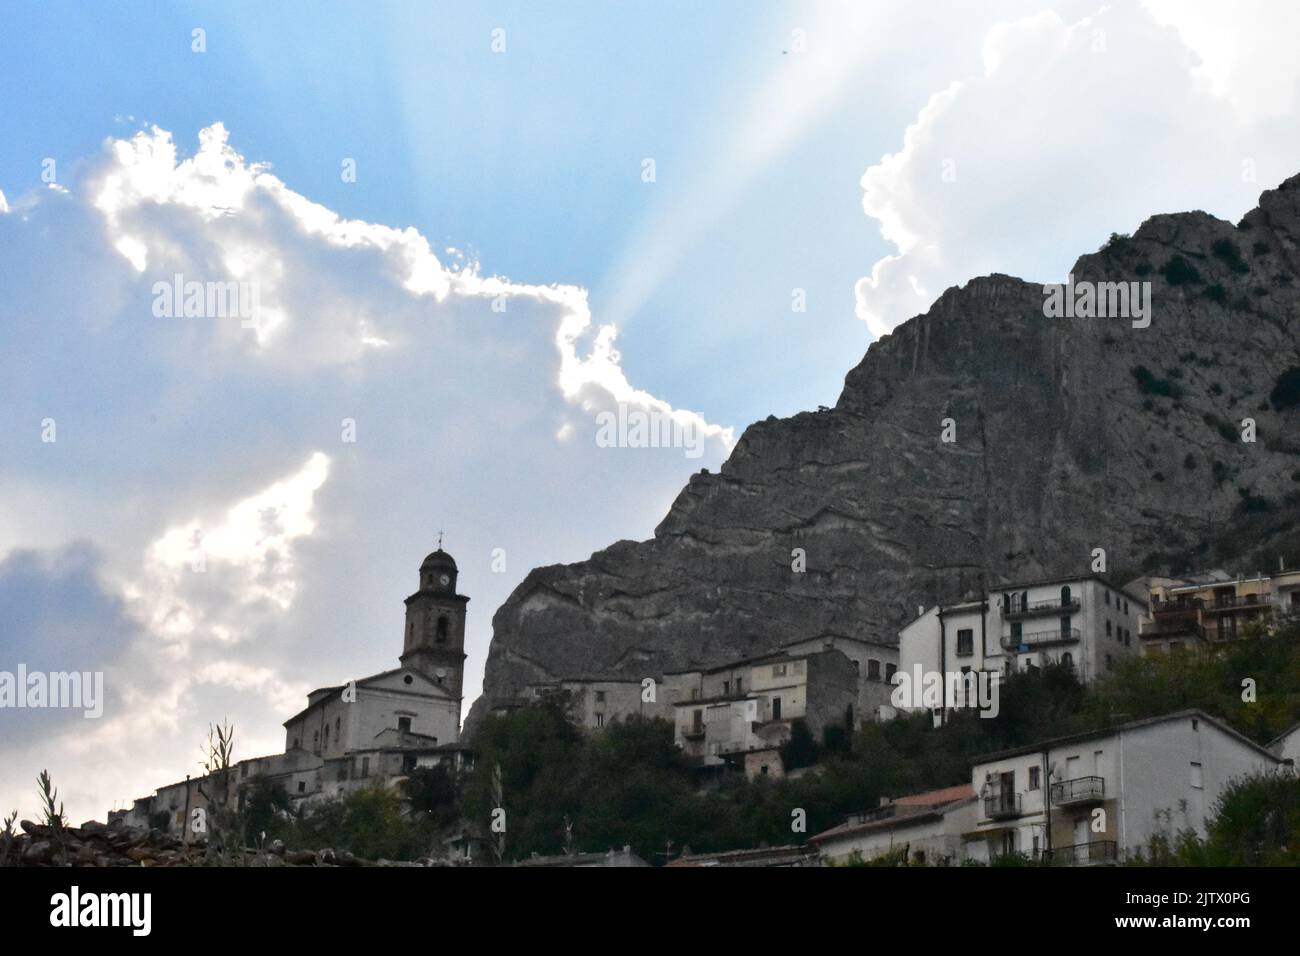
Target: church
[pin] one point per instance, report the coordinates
(367, 731)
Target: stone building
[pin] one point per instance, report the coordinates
(596, 701)
(367, 731)
(739, 714)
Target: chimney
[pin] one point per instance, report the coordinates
(920, 610)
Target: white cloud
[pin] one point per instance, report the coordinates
(1072, 131)
(188, 437)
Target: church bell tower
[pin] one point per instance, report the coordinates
(435, 625)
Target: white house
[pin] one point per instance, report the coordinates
(1084, 622)
(925, 828)
(1099, 797)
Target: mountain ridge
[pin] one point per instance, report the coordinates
(1071, 434)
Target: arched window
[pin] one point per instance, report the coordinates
(1065, 596)
(1024, 600)
(1068, 660)
(442, 630)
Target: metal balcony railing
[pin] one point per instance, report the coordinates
(693, 732)
(1055, 606)
(1084, 854)
(1002, 806)
(1035, 639)
(1078, 790)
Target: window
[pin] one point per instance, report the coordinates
(1065, 625)
(600, 697)
(302, 786)
(338, 722)
(1107, 597)
(966, 642)
(600, 720)
(1034, 773)
(796, 668)
(873, 669)
(295, 744)
(738, 687)
(442, 630)
(404, 724)
(1126, 607)
(1108, 628)
(327, 735)
(1108, 662)
(889, 671)
(778, 670)
(776, 708)
(1065, 596)
(365, 767)
(726, 687)
(857, 667)
(243, 771)
(1198, 782)
(1067, 660)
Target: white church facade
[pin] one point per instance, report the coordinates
(367, 731)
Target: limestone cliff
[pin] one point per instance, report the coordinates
(1071, 434)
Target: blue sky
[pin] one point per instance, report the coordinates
(870, 155)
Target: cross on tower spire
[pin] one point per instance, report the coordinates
(439, 539)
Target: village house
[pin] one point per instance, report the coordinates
(595, 702)
(1205, 609)
(924, 829)
(1100, 797)
(767, 856)
(1085, 623)
(739, 714)
(370, 731)
(874, 661)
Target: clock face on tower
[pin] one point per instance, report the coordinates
(444, 580)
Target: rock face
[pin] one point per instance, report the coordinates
(1071, 434)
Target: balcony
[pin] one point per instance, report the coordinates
(1234, 603)
(1162, 627)
(1084, 854)
(1002, 806)
(1037, 608)
(1036, 639)
(693, 732)
(1178, 607)
(1066, 793)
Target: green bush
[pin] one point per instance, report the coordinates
(1178, 271)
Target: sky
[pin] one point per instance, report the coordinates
(472, 230)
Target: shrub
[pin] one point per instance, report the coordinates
(1150, 385)
(1286, 390)
(1228, 251)
(1178, 271)
(1216, 293)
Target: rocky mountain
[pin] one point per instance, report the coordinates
(1070, 434)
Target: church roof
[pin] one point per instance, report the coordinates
(332, 692)
(439, 559)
